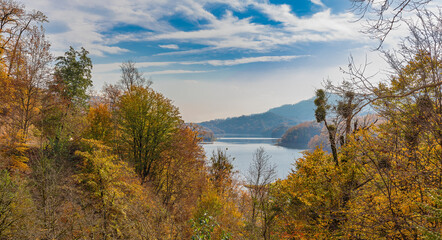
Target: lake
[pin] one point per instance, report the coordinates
(242, 149)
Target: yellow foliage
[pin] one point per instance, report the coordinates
(111, 185)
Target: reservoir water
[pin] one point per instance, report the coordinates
(242, 149)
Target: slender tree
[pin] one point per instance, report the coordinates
(321, 116)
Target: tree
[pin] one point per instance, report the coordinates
(182, 180)
(100, 123)
(307, 202)
(15, 208)
(24, 62)
(148, 121)
(383, 16)
(131, 77)
(260, 175)
(111, 185)
(217, 214)
(402, 156)
(62, 119)
(15, 21)
(321, 116)
(49, 180)
(73, 76)
(433, 215)
(221, 170)
(29, 74)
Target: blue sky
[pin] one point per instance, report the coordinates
(213, 58)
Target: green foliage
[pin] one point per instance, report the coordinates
(73, 73)
(433, 215)
(321, 116)
(321, 105)
(15, 207)
(8, 191)
(346, 106)
(148, 120)
(203, 227)
(216, 217)
(221, 170)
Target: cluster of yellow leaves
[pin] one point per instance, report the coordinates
(111, 185)
(308, 201)
(13, 152)
(99, 120)
(223, 212)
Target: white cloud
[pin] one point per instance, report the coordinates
(230, 31)
(169, 46)
(174, 72)
(246, 60)
(318, 2)
(193, 51)
(91, 23)
(113, 67)
(110, 67)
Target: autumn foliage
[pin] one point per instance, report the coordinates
(123, 164)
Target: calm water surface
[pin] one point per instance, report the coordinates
(242, 149)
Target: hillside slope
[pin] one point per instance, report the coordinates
(299, 136)
(256, 124)
(272, 123)
(300, 112)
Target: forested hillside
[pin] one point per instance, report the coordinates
(300, 135)
(122, 164)
(257, 124)
(272, 123)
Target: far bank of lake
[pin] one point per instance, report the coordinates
(242, 149)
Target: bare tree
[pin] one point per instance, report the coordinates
(130, 76)
(261, 173)
(24, 54)
(424, 44)
(410, 100)
(424, 41)
(384, 15)
(30, 73)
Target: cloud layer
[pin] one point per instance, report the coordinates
(93, 24)
(213, 58)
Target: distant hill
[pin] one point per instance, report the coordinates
(300, 112)
(257, 124)
(299, 136)
(272, 123)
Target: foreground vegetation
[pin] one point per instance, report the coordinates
(123, 165)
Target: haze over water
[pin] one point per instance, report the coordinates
(243, 148)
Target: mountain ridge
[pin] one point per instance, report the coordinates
(271, 123)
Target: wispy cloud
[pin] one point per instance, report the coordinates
(192, 51)
(231, 32)
(174, 72)
(91, 24)
(114, 67)
(169, 46)
(109, 67)
(246, 60)
(318, 2)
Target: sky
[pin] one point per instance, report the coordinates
(214, 58)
